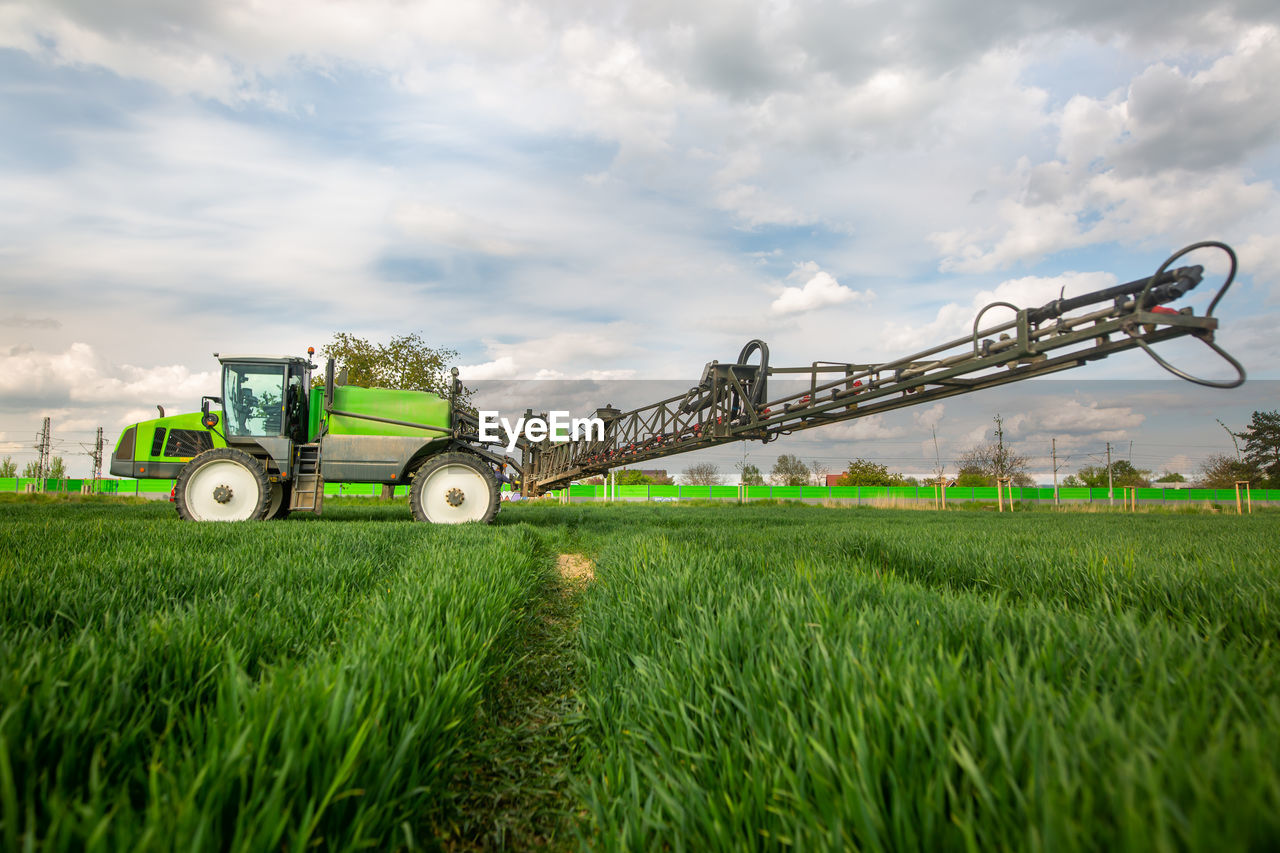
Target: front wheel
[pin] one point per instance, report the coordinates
(278, 500)
(223, 484)
(453, 488)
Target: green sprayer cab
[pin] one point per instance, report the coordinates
(266, 446)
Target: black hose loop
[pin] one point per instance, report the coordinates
(1210, 383)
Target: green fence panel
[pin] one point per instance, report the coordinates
(695, 491)
(582, 490)
(758, 492)
(1271, 494)
(8, 484)
(1175, 494)
(640, 491)
(664, 491)
(724, 491)
(985, 493)
(873, 492)
(815, 492)
(1150, 494)
(154, 487)
(1200, 494)
(901, 492)
(786, 492)
(844, 492)
(956, 493)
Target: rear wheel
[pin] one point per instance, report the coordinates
(223, 484)
(453, 488)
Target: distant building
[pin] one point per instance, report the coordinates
(834, 479)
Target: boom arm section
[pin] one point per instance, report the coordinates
(731, 402)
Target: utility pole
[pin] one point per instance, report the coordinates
(937, 457)
(1111, 492)
(97, 456)
(42, 448)
(1054, 451)
(94, 452)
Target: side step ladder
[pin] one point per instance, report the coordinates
(308, 487)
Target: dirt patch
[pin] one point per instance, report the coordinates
(576, 568)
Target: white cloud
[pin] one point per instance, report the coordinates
(594, 375)
(78, 376)
(820, 290)
(955, 319)
(1074, 417)
(1260, 258)
(1163, 159)
(1179, 463)
(433, 224)
(930, 417)
(499, 368)
(869, 428)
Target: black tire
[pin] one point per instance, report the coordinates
(223, 484)
(286, 497)
(447, 477)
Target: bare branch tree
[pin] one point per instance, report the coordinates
(703, 474)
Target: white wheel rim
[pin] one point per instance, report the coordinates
(274, 498)
(453, 494)
(222, 490)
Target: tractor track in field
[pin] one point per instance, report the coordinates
(513, 791)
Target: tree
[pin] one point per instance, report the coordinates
(789, 471)
(749, 475)
(406, 362)
(1122, 474)
(984, 463)
(1171, 477)
(630, 477)
(703, 474)
(8, 468)
(1223, 472)
(818, 472)
(1262, 447)
(57, 469)
(1071, 481)
(974, 474)
(862, 472)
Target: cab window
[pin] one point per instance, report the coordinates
(254, 399)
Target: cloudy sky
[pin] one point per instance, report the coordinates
(618, 190)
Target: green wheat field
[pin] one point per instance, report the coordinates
(768, 677)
